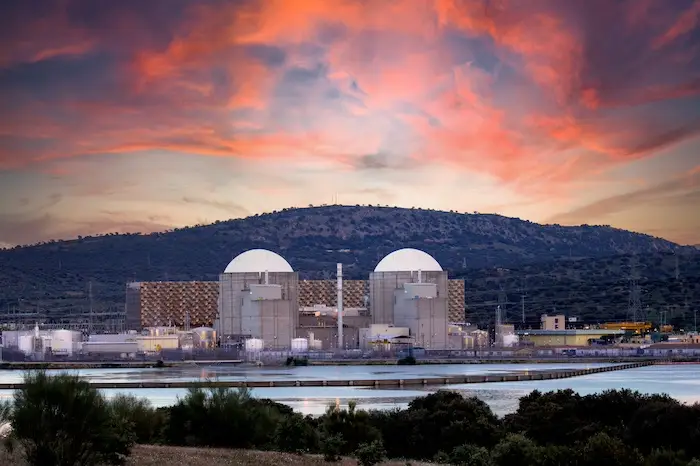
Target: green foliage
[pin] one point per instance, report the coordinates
(469, 455)
(515, 450)
(295, 434)
(444, 420)
(222, 417)
(354, 426)
(666, 458)
(582, 268)
(332, 446)
(369, 454)
(62, 421)
(603, 450)
(145, 421)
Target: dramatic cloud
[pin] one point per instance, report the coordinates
(526, 101)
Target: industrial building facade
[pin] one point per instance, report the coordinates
(151, 304)
(258, 305)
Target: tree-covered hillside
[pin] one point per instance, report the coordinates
(553, 263)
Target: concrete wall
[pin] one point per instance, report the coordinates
(426, 317)
(273, 320)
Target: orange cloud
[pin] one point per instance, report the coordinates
(340, 80)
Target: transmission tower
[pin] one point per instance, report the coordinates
(634, 304)
(523, 294)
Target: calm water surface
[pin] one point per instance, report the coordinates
(680, 381)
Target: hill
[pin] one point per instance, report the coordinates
(56, 276)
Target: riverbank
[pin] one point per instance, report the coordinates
(153, 455)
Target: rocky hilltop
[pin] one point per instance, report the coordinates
(495, 252)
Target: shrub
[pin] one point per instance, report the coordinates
(369, 454)
(295, 434)
(331, 447)
(515, 450)
(470, 455)
(61, 420)
(221, 417)
(145, 421)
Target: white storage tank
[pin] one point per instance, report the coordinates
(25, 343)
(300, 345)
(254, 344)
(65, 341)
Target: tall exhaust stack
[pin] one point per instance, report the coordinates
(340, 306)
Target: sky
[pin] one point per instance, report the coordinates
(141, 116)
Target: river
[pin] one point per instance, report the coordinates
(679, 381)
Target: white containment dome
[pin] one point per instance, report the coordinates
(253, 344)
(258, 261)
(408, 260)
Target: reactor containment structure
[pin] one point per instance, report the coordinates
(408, 288)
(258, 299)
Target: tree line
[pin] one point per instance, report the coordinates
(63, 420)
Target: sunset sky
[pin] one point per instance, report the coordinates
(135, 115)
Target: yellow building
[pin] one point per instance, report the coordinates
(567, 337)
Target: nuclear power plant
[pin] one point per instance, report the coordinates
(258, 299)
(408, 288)
(262, 303)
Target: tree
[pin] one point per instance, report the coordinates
(145, 421)
(353, 425)
(331, 447)
(61, 420)
(515, 450)
(295, 434)
(603, 450)
(444, 420)
(369, 454)
(470, 455)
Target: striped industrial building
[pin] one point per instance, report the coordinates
(152, 304)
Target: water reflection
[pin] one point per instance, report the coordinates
(681, 382)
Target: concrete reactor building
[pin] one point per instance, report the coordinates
(258, 299)
(408, 288)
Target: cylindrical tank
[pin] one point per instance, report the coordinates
(254, 344)
(300, 345)
(25, 344)
(64, 341)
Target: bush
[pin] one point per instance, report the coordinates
(331, 447)
(223, 418)
(469, 455)
(61, 420)
(295, 434)
(515, 450)
(369, 454)
(145, 421)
